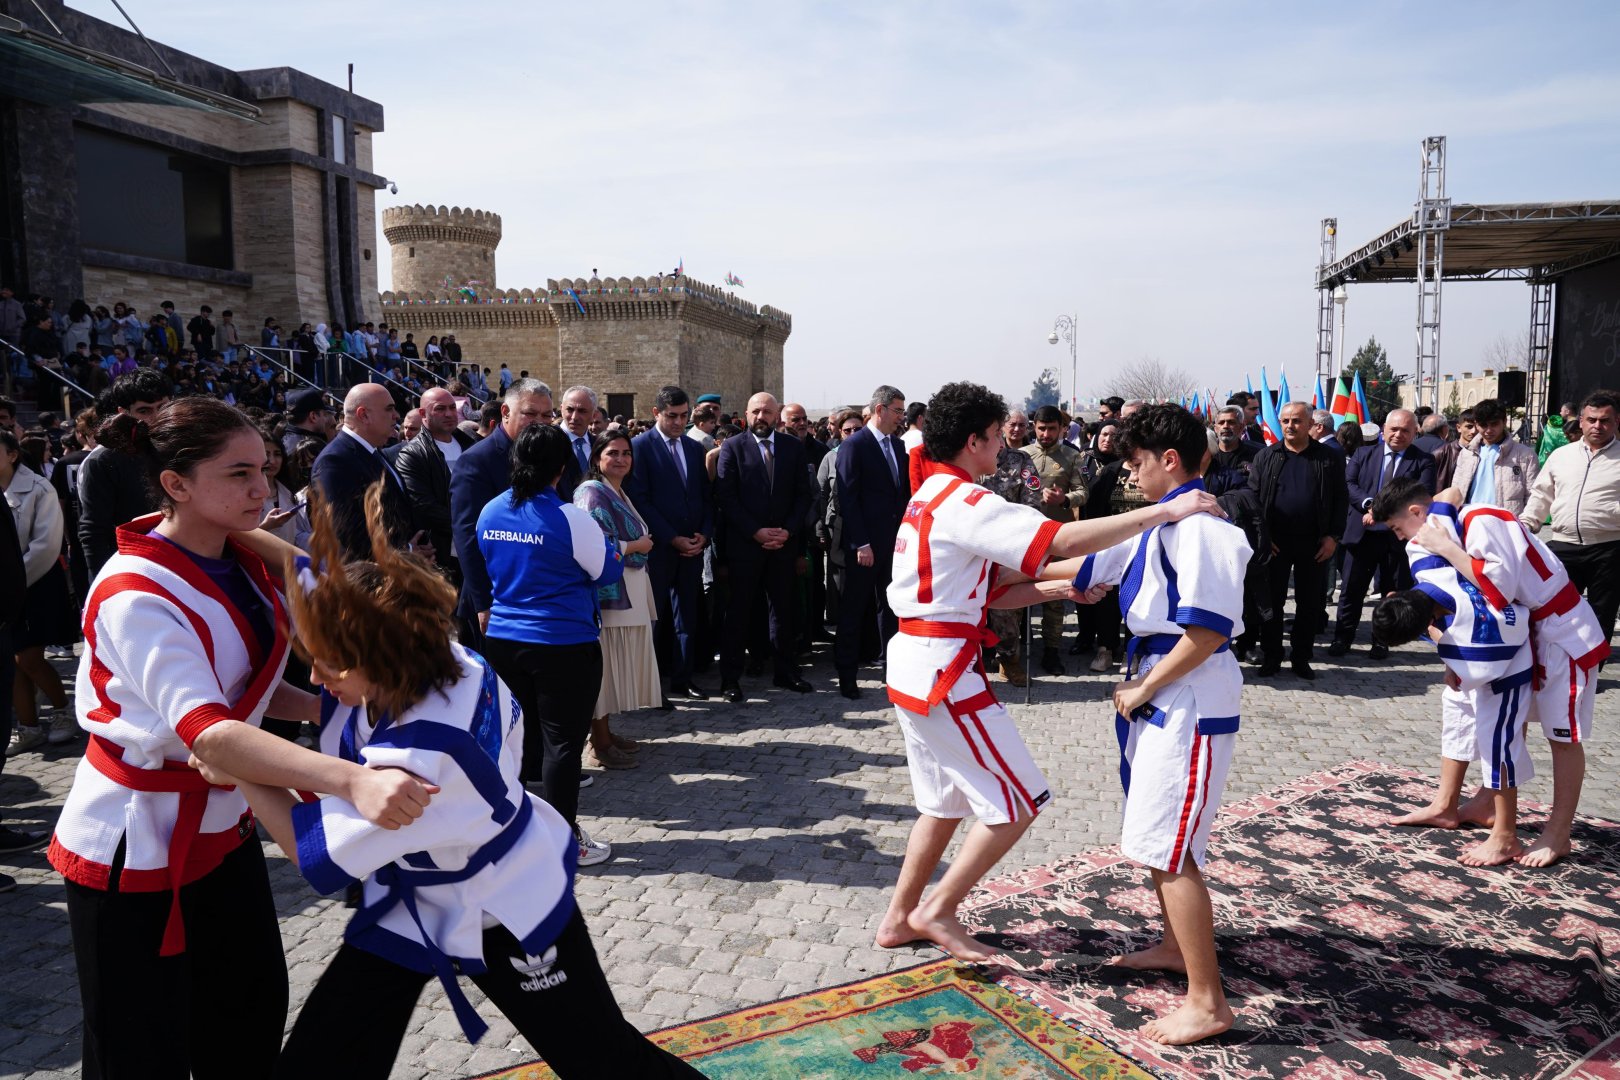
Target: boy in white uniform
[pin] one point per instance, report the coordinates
(959, 548)
(1509, 565)
(1488, 662)
(1181, 592)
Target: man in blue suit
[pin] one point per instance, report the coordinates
(352, 462)
(762, 489)
(873, 486)
(483, 472)
(1371, 548)
(669, 487)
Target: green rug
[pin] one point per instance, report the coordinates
(939, 1019)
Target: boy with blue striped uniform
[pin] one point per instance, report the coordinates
(1181, 592)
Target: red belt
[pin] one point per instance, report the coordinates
(107, 757)
(973, 638)
(1561, 604)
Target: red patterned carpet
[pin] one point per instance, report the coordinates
(1350, 950)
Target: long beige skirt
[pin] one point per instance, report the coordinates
(629, 665)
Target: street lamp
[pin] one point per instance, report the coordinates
(1069, 327)
(1339, 297)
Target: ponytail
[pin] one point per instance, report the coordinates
(186, 432)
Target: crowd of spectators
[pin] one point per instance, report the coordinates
(701, 544)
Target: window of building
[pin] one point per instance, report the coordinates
(413, 253)
(138, 198)
(340, 140)
(621, 405)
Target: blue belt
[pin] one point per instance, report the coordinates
(1157, 645)
(402, 885)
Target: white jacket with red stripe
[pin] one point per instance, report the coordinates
(166, 656)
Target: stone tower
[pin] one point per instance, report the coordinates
(439, 250)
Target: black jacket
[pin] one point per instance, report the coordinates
(13, 576)
(1327, 477)
(426, 476)
(112, 492)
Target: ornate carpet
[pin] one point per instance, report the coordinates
(935, 1020)
(1349, 949)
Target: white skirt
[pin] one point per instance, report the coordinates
(629, 665)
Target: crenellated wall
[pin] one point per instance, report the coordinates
(435, 245)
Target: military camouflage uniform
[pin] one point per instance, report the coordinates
(1060, 468)
(1016, 481)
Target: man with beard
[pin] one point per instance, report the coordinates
(1063, 493)
(1015, 480)
(424, 464)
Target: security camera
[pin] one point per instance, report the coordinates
(393, 188)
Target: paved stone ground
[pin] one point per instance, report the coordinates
(755, 843)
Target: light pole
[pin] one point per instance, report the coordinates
(1339, 297)
(1068, 326)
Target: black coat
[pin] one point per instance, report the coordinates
(1327, 479)
(426, 476)
(343, 472)
(748, 503)
(113, 491)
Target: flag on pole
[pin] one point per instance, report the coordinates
(1344, 406)
(1283, 397)
(680, 266)
(733, 279)
(1361, 400)
(1196, 408)
(1270, 429)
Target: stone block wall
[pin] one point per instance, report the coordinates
(717, 360)
(105, 285)
(634, 357)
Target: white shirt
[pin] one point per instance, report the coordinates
(451, 449)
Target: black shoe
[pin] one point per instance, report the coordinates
(848, 687)
(1269, 667)
(666, 705)
(1078, 649)
(796, 684)
(7, 883)
(733, 694)
(1378, 652)
(16, 840)
(754, 668)
(1338, 648)
(689, 690)
(1052, 663)
(1302, 668)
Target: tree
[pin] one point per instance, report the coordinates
(1453, 407)
(1378, 379)
(1147, 378)
(1045, 391)
(1508, 350)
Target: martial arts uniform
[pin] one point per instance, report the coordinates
(481, 885)
(1488, 650)
(1514, 565)
(965, 755)
(174, 926)
(1175, 751)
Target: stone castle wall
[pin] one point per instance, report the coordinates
(431, 245)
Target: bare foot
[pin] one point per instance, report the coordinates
(1189, 1024)
(1545, 851)
(1433, 816)
(949, 934)
(895, 932)
(1479, 810)
(1492, 851)
(1160, 957)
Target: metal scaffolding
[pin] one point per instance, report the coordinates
(1324, 304)
(1541, 324)
(1432, 217)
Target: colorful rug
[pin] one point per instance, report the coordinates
(935, 1020)
(1349, 949)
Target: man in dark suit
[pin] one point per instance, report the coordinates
(578, 410)
(352, 462)
(482, 473)
(763, 491)
(669, 487)
(813, 596)
(1371, 548)
(423, 464)
(872, 492)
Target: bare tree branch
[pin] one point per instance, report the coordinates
(1508, 350)
(1149, 379)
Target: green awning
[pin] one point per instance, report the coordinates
(50, 71)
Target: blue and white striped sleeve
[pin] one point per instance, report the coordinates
(1209, 558)
(595, 552)
(1105, 567)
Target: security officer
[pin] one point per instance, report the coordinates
(1016, 481)
(1063, 493)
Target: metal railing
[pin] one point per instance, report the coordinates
(263, 352)
(67, 389)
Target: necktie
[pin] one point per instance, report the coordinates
(387, 468)
(894, 467)
(680, 459)
(1389, 469)
(583, 454)
(770, 463)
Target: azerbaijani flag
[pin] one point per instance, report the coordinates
(733, 279)
(1283, 396)
(1195, 408)
(1361, 400)
(1269, 426)
(1344, 406)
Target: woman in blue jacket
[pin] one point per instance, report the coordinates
(546, 560)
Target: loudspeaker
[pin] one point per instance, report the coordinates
(1510, 387)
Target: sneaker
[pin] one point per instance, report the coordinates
(64, 727)
(1103, 660)
(14, 840)
(591, 851)
(24, 739)
(586, 779)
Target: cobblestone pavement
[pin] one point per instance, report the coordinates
(755, 843)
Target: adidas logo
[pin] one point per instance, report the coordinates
(541, 964)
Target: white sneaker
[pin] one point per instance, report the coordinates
(591, 851)
(1103, 660)
(586, 780)
(24, 739)
(64, 727)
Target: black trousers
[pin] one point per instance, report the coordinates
(216, 1010)
(773, 574)
(677, 585)
(1377, 552)
(1595, 570)
(1295, 556)
(557, 687)
(356, 1016)
(866, 592)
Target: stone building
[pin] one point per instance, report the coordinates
(133, 171)
(624, 336)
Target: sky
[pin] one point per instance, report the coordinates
(926, 186)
